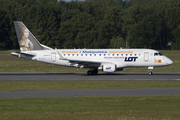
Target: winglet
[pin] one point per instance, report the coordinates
(61, 57)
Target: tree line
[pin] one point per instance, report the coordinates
(151, 24)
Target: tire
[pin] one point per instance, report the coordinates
(95, 72)
(89, 72)
(150, 73)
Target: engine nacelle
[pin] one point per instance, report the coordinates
(109, 67)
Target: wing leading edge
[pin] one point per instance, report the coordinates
(80, 61)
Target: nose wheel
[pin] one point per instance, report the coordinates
(150, 72)
(92, 72)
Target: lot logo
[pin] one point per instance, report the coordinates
(130, 59)
(108, 68)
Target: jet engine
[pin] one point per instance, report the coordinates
(109, 67)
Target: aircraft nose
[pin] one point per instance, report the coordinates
(169, 61)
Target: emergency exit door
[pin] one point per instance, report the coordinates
(146, 56)
(53, 57)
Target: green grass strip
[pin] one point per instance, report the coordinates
(91, 108)
(70, 85)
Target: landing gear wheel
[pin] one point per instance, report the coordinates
(89, 72)
(150, 73)
(95, 72)
(92, 72)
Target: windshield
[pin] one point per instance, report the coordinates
(158, 54)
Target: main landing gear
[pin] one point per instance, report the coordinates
(92, 72)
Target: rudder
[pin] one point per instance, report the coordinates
(26, 39)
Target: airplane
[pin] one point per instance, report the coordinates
(107, 60)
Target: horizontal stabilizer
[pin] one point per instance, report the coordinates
(18, 53)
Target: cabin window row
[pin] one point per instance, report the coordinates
(100, 55)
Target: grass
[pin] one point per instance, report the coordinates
(11, 63)
(91, 108)
(72, 85)
(86, 108)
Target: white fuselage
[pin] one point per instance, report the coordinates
(107, 60)
(120, 57)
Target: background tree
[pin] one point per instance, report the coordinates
(93, 23)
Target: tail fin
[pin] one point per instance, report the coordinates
(26, 39)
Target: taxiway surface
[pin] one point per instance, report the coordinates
(94, 92)
(84, 76)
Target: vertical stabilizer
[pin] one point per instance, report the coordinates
(26, 40)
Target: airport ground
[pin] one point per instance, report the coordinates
(133, 107)
(92, 108)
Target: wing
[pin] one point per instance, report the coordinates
(82, 62)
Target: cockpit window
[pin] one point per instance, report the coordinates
(158, 54)
(155, 54)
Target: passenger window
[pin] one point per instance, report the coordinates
(99, 54)
(126, 54)
(81, 54)
(104, 54)
(130, 54)
(68, 54)
(121, 54)
(86, 54)
(112, 54)
(72, 54)
(94, 54)
(77, 54)
(134, 54)
(64, 54)
(117, 54)
(90, 54)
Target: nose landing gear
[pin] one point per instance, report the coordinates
(150, 72)
(92, 72)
